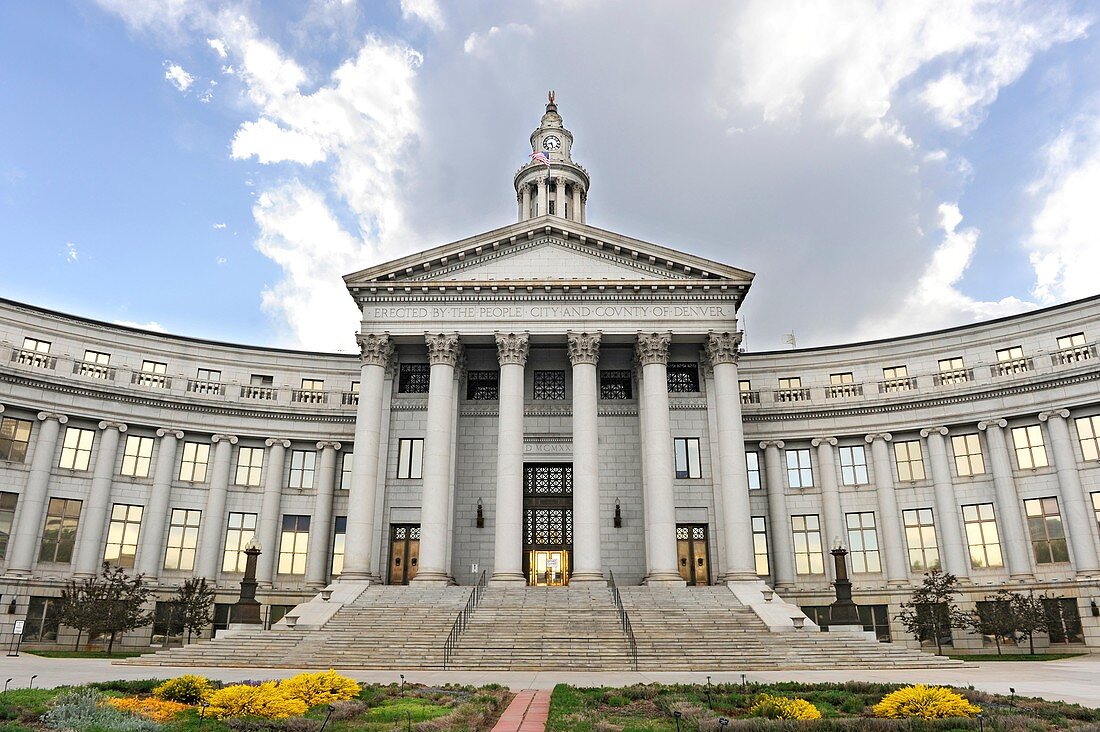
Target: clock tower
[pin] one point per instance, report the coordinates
(560, 189)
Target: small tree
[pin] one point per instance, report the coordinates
(1031, 616)
(196, 602)
(996, 617)
(78, 606)
(121, 603)
(931, 611)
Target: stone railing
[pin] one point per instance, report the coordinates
(750, 397)
(892, 386)
(953, 377)
(843, 391)
(1011, 368)
(308, 396)
(152, 381)
(207, 388)
(792, 395)
(33, 358)
(261, 393)
(1070, 356)
(94, 370)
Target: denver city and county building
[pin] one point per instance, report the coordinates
(549, 403)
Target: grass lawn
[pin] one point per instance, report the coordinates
(82, 654)
(983, 657)
(650, 708)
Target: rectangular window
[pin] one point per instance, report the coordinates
(76, 450)
(339, 534)
(313, 385)
(15, 438)
(122, 535)
(988, 612)
(948, 365)
(876, 619)
(920, 536)
(982, 538)
(752, 462)
(808, 558)
(413, 378)
(97, 357)
(683, 377)
(36, 345)
(896, 378)
(549, 385)
(1088, 432)
(167, 623)
(410, 457)
(59, 533)
(208, 375)
(1013, 353)
(239, 531)
(1048, 536)
(863, 542)
(744, 385)
(8, 502)
(895, 372)
(1063, 620)
(136, 456)
(250, 463)
(183, 539)
(760, 545)
(42, 620)
(842, 385)
(293, 544)
(968, 454)
(153, 374)
(1096, 506)
(95, 364)
(841, 379)
(1066, 342)
(261, 380)
(790, 382)
(196, 456)
(1031, 453)
(910, 460)
(154, 367)
(483, 386)
(853, 465)
(616, 385)
(346, 464)
(303, 466)
(1011, 361)
(688, 464)
(952, 371)
(799, 472)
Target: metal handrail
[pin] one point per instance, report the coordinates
(624, 620)
(463, 619)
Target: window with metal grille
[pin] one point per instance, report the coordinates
(413, 378)
(752, 463)
(59, 533)
(1063, 620)
(616, 385)
(683, 377)
(136, 456)
(688, 464)
(1030, 451)
(549, 527)
(863, 542)
(240, 528)
(196, 456)
(808, 557)
(303, 466)
(15, 438)
(293, 544)
(548, 385)
(549, 479)
(968, 454)
(920, 536)
(853, 465)
(910, 460)
(760, 545)
(183, 539)
(1048, 535)
(42, 622)
(483, 386)
(980, 522)
(122, 535)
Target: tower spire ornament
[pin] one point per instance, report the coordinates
(565, 195)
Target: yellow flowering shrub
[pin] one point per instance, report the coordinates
(323, 687)
(186, 689)
(781, 707)
(152, 708)
(924, 702)
(267, 700)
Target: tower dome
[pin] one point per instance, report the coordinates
(551, 183)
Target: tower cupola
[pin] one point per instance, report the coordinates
(551, 183)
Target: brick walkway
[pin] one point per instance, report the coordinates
(527, 712)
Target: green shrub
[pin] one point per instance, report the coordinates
(141, 686)
(186, 689)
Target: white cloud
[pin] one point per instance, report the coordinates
(478, 44)
(270, 143)
(220, 260)
(71, 255)
(178, 77)
(219, 47)
(218, 226)
(150, 325)
(426, 11)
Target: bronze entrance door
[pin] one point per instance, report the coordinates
(547, 523)
(404, 552)
(691, 553)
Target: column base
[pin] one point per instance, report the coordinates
(895, 583)
(729, 577)
(316, 585)
(667, 579)
(369, 577)
(1021, 577)
(506, 579)
(584, 578)
(432, 579)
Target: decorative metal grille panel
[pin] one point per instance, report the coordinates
(549, 479)
(413, 378)
(616, 385)
(414, 533)
(682, 533)
(683, 377)
(483, 385)
(548, 527)
(549, 385)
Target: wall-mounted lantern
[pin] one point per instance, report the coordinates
(480, 515)
(618, 515)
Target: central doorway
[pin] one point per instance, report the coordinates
(547, 523)
(404, 552)
(691, 553)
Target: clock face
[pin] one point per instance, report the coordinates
(551, 143)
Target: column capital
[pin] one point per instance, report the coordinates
(993, 422)
(231, 439)
(273, 441)
(374, 349)
(512, 348)
(61, 418)
(328, 445)
(443, 348)
(653, 348)
(165, 431)
(930, 430)
(583, 347)
(818, 441)
(723, 347)
(765, 444)
(108, 424)
(1044, 416)
(884, 436)
(1, 408)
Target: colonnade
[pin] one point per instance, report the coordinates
(538, 190)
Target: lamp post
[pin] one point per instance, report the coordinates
(247, 610)
(843, 613)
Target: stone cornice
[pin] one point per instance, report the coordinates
(583, 347)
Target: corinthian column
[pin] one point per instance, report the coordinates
(32, 504)
(267, 527)
(89, 553)
(444, 351)
(897, 568)
(782, 560)
(213, 515)
(150, 558)
(1075, 505)
(830, 497)
(512, 351)
(544, 196)
(576, 203)
(584, 354)
(321, 522)
(525, 202)
(740, 563)
(1013, 534)
(375, 352)
(652, 353)
(947, 510)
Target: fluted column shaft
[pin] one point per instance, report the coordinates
(832, 513)
(952, 547)
(150, 558)
(782, 559)
(577, 203)
(1017, 549)
(525, 203)
(512, 349)
(544, 196)
(376, 351)
(267, 526)
(320, 544)
(657, 435)
(892, 539)
(32, 504)
(1075, 502)
(213, 514)
(443, 355)
(584, 355)
(560, 196)
(89, 552)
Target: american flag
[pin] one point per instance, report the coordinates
(540, 157)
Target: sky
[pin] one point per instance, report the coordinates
(212, 169)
